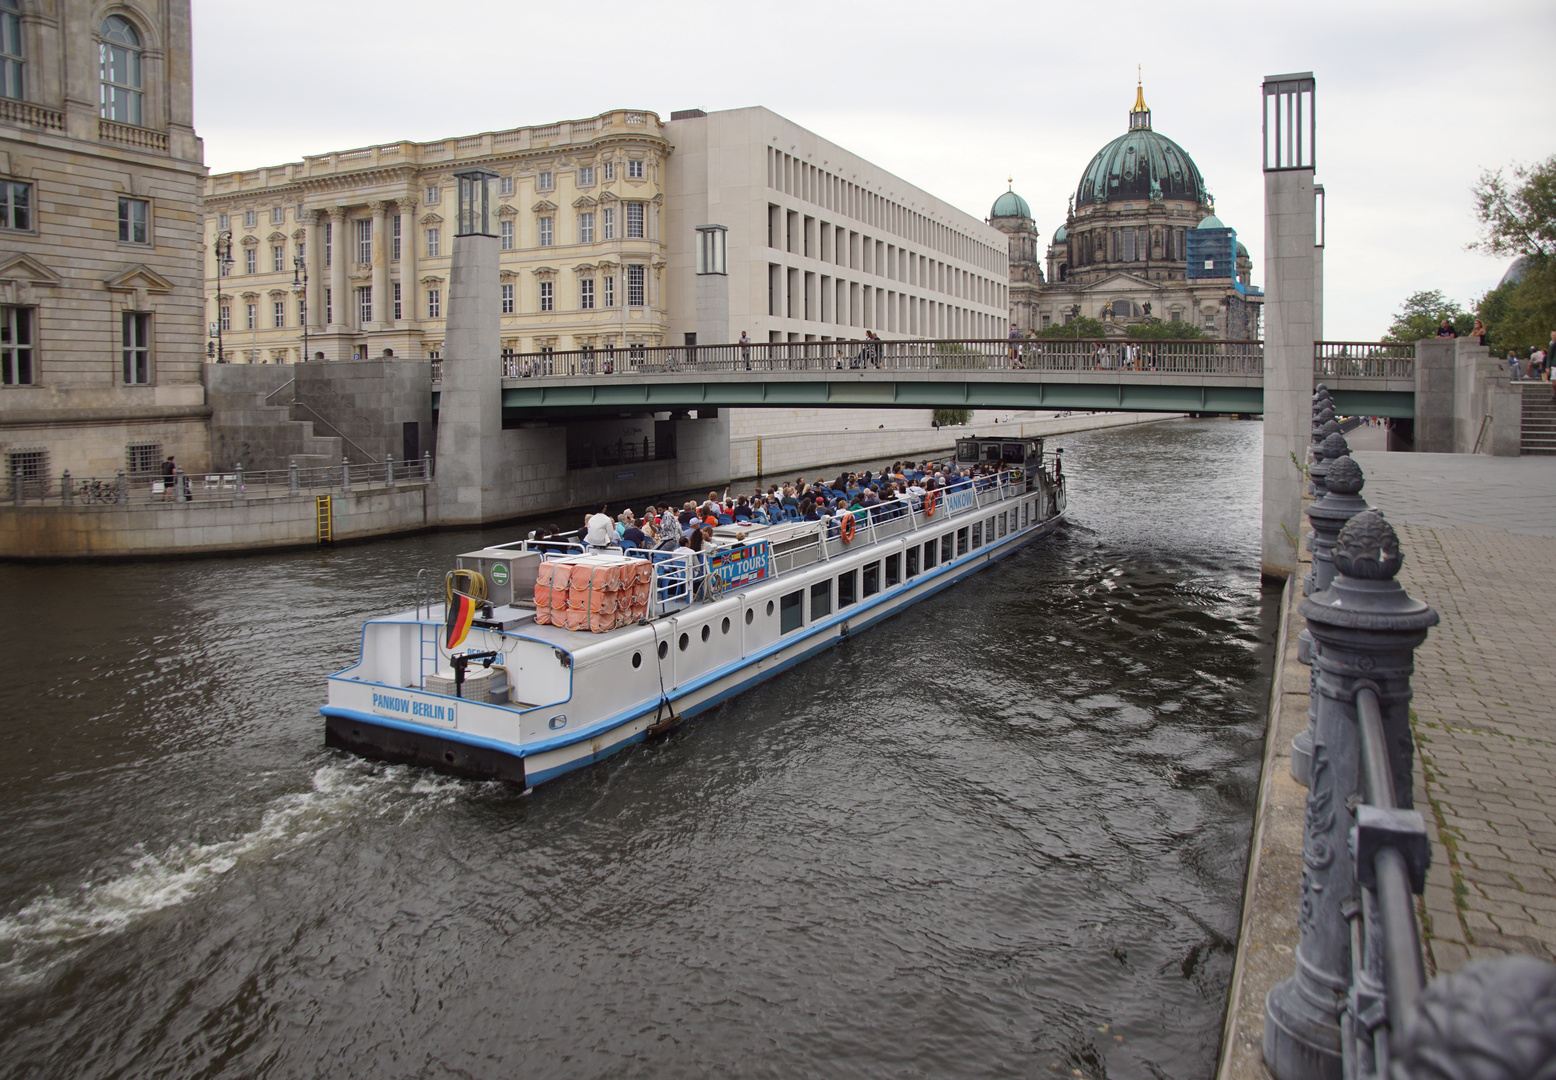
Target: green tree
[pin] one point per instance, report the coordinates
(1157, 330)
(1421, 314)
(1521, 314)
(1078, 329)
(1520, 218)
(952, 417)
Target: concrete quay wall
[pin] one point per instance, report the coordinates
(789, 450)
(206, 526)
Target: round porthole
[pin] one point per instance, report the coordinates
(664, 649)
(726, 624)
(686, 639)
(769, 609)
(707, 632)
(749, 616)
(637, 659)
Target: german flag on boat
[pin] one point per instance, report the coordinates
(457, 619)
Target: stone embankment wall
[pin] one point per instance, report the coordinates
(207, 525)
(792, 439)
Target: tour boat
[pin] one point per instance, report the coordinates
(522, 698)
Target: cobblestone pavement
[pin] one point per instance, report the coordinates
(1472, 528)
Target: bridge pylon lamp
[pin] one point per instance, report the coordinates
(475, 202)
(712, 287)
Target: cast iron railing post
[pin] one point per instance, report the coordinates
(389, 469)
(291, 478)
(345, 474)
(67, 494)
(1366, 628)
(239, 488)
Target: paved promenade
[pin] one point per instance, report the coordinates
(1475, 532)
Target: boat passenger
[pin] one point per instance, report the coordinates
(599, 530)
(808, 511)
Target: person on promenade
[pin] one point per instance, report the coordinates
(1478, 332)
(169, 478)
(1514, 365)
(1445, 329)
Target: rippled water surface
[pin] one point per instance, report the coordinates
(1001, 835)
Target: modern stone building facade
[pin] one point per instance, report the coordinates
(100, 284)
(1122, 254)
(822, 244)
(579, 207)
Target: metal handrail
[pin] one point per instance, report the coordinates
(290, 382)
(341, 435)
(152, 489)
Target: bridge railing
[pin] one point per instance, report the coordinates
(1364, 359)
(152, 488)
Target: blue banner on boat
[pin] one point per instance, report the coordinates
(742, 565)
(957, 501)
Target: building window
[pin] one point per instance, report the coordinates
(250, 218)
(608, 223)
(119, 62)
(635, 288)
(394, 239)
(223, 222)
(251, 316)
(143, 459)
(586, 227)
(586, 176)
(278, 313)
(29, 471)
(610, 290)
(11, 82)
(507, 299)
(329, 306)
(634, 170)
(251, 260)
(16, 366)
(434, 241)
(365, 241)
(434, 304)
(224, 318)
(610, 170)
(547, 296)
(365, 304)
(545, 232)
(505, 229)
(505, 185)
(544, 181)
(634, 221)
(277, 258)
(397, 303)
(15, 205)
(432, 195)
(137, 347)
(302, 250)
(134, 220)
(586, 294)
(1128, 253)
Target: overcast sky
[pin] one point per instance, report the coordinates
(1414, 99)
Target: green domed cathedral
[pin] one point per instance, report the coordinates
(1140, 243)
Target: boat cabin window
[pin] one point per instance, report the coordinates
(991, 453)
(1013, 453)
(1026, 514)
(961, 541)
(791, 611)
(946, 541)
(988, 530)
(893, 570)
(931, 550)
(820, 599)
(1004, 518)
(750, 614)
(912, 555)
(977, 535)
(872, 579)
(846, 593)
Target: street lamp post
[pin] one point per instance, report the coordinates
(223, 266)
(300, 287)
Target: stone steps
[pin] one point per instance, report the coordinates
(1537, 434)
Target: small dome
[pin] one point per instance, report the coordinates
(1242, 252)
(1061, 234)
(1212, 222)
(1010, 205)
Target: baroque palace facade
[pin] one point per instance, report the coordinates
(579, 213)
(100, 277)
(1140, 243)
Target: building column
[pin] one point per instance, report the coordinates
(407, 208)
(383, 304)
(339, 301)
(313, 259)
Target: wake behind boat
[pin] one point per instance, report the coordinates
(491, 684)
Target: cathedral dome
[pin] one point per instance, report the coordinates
(1010, 205)
(1211, 222)
(1140, 165)
(1061, 234)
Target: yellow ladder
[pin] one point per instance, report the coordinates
(323, 520)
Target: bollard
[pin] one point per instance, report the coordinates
(426, 465)
(1328, 515)
(239, 489)
(1366, 628)
(389, 468)
(291, 478)
(67, 495)
(1333, 447)
(345, 474)
(1491, 1019)
(1322, 414)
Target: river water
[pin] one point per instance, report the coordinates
(1003, 834)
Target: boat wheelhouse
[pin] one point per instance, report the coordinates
(522, 701)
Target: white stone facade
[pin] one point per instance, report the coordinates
(579, 215)
(101, 344)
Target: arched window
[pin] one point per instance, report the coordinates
(119, 57)
(11, 82)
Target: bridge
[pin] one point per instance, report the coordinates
(1138, 375)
